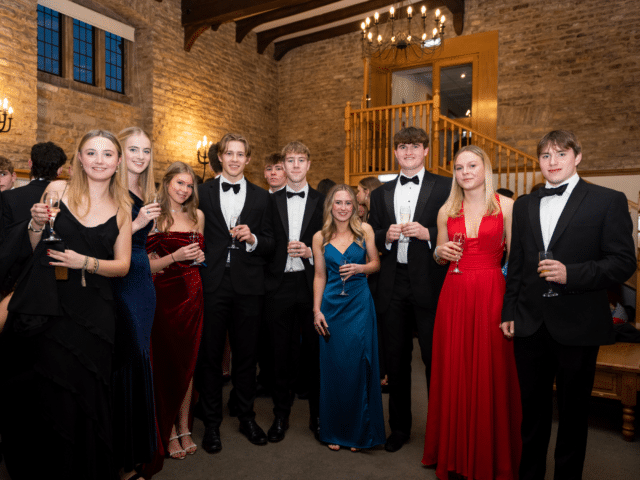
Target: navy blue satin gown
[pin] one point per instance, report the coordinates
(350, 397)
(133, 401)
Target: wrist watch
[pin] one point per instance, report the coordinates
(30, 227)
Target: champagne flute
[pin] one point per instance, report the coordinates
(292, 238)
(53, 202)
(155, 229)
(547, 255)
(233, 222)
(405, 217)
(343, 277)
(193, 237)
(458, 238)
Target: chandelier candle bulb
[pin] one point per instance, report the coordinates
(392, 12)
(409, 12)
(376, 18)
(367, 21)
(424, 11)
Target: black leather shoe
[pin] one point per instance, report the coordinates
(395, 442)
(276, 432)
(314, 426)
(211, 440)
(253, 432)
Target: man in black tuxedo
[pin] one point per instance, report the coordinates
(233, 284)
(297, 216)
(588, 230)
(45, 163)
(410, 280)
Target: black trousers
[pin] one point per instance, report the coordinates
(402, 318)
(540, 359)
(289, 316)
(240, 315)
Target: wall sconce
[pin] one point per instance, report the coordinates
(5, 117)
(203, 154)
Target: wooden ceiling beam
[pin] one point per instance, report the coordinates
(244, 26)
(268, 36)
(195, 12)
(282, 47)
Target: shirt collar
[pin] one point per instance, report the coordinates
(420, 175)
(571, 183)
(304, 189)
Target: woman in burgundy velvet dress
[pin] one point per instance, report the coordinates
(175, 251)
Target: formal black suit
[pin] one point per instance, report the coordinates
(289, 307)
(559, 336)
(233, 299)
(407, 295)
(15, 248)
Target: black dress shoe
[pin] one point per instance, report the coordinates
(211, 440)
(253, 432)
(395, 442)
(276, 432)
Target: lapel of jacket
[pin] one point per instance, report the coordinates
(423, 197)
(569, 210)
(534, 219)
(214, 194)
(281, 205)
(310, 207)
(389, 193)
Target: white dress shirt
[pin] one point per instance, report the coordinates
(551, 208)
(406, 196)
(295, 214)
(232, 203)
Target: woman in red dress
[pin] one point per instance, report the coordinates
(177, 326)
(473, 423)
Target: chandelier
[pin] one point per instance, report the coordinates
(401, 35)
(6, 115)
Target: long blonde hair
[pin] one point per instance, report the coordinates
(165, 220)
(329, 226)
(453, 205)
(146, 181)
(78, 190)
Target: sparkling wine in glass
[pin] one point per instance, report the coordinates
(193, 237)
(52, 200)
(547, 255)
(233, 222)
(405, 217)
(343, 278)
(458, 238)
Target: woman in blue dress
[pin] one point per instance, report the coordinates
(135, 298)
(350, 398)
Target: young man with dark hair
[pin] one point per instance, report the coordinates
(297, 216)
(274, 172)
(233, 283)
(588, 231)
(410, 280)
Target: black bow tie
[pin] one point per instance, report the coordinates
(404, 180)
(226, 186)
(294, 194)
(548, 192)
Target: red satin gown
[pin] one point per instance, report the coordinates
(474, 416)
(175, 336)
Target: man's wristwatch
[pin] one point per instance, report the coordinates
(30, 227)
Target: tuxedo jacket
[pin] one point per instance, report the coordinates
(311, 223)
(593, 239)
(15, 247)
(17, 203)
(425, 275)
(247, 268)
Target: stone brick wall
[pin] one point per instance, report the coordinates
(316, 82)
(18, 64)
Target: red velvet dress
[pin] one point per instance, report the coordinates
(175, 336)
(473, 422)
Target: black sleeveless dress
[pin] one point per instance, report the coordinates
(55, 362)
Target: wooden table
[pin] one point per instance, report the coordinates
(618, 377)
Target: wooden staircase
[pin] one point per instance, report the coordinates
(369, 145)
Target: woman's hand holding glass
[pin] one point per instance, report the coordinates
(189, 253)
(66, 258)
(349, 269)
(39, 215)
(450, 251)
(147, 214)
